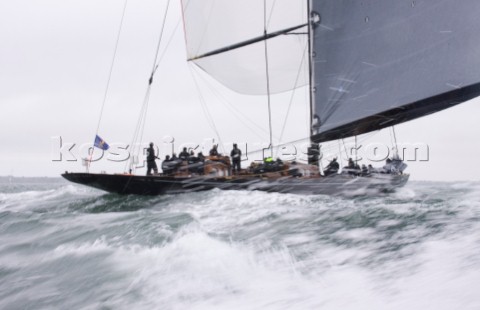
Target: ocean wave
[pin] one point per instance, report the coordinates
(38, 200)
(414, 249)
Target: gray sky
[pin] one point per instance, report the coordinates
(54, 62)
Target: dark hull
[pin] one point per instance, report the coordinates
(161, 185)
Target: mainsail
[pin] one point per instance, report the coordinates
(380, 63)
(374, 63)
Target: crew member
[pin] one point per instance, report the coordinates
(166, 166)
(351, 164)
(365, 170)
(151, 164)
(388, 168)
(371, 169)
(236, 155)
(353, 168)
(214, 151)
(184, 154)
(332, 167)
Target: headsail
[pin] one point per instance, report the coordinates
(212, 25)
(380, 63)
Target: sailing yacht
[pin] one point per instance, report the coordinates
(370, 65)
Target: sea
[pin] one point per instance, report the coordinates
(66, 246)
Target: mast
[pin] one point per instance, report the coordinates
(310, 66)
(313, 151)
(268, 77)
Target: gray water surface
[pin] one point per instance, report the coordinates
(64, 246)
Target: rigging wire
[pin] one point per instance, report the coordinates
(107, 87)
(232, 108)
(356, 150)
(345, 147)
(293, 95)
(138, 135)
(340, 153)
(271, 13)
(170, 40)
(280, 145)
(209, 11)
(396, 154)
(141, 119)
(112, 65)
(206, 111)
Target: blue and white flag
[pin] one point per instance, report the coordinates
(100, 143)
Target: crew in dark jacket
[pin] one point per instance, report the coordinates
(236, 155)
(214, 151)
(151, 164)
(332, 167)
(184, 154)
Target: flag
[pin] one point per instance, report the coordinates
(100, 143)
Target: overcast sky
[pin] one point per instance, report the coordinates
(54, 62)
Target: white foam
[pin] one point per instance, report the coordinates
(199, 272)
(448, 278)
(82, 249)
